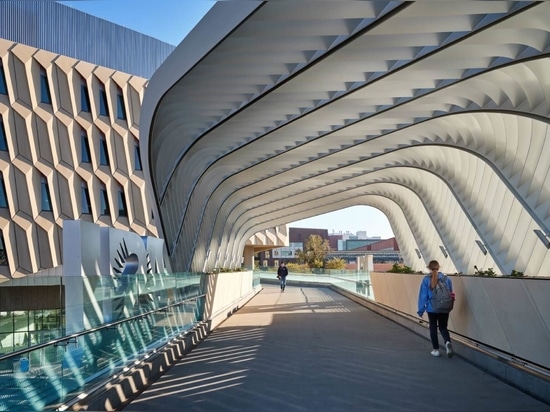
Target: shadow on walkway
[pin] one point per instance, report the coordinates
(311, 349)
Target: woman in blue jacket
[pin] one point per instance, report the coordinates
(425, 305)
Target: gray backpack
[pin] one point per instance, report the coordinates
(442, 299)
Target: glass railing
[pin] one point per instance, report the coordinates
(352, 280)
(123, 320)
(256, 279)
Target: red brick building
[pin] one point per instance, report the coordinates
(384, 244)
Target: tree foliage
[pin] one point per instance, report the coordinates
(335, 263)
(315, 250)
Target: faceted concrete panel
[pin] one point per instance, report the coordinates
(467, 103)
(517, 316)
(46, 142)
(495, 311)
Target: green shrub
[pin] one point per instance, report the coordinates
(397, 268)
(298, 268)
(480, 272)
(335, 263)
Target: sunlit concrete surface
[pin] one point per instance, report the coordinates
(311, 349)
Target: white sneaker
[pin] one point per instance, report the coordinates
(449, 348)
(435, 352)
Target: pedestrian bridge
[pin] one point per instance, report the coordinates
(340, 341)
(325, 345)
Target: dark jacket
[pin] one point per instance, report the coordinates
(282, 271)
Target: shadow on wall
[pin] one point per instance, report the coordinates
(490, 310)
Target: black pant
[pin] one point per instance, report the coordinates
(438, 320)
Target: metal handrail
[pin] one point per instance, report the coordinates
(528, 366)
(67, 339)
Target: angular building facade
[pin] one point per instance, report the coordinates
(71, 90)
(69, 129)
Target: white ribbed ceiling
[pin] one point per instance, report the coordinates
(435, 112)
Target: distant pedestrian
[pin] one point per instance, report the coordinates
(282, 273)
(438, 319)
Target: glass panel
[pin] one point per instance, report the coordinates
(103, 107)
(122, 209)
(6, 327)
(161, 305)
(46, 199)
(45, 96)
(85, 149)
(103, 155)
(3, 197)
(121, 108)
(86, 204)
(84, 97)
(3, 141)
(3, 255)
(104, 201)
(137, 157)
(3, 85)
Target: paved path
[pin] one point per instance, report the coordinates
(311, 349)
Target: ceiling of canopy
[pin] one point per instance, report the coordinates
(435, 112)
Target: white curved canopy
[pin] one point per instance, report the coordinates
(434, 112)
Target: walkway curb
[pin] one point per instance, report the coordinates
(122, 389)
(526, 380)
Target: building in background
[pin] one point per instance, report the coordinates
(345, 245)
(379, 245)
(354, 244)
(296, 238)
(335, 239)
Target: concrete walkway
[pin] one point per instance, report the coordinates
(310, 349)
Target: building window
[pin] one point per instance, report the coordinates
(103, 107)
(45, 195)
(84, 96)
(3, 85)
(137, 157)
(86, 203)
(103, 153)
(120, 107)
(3, 196)
(104, 200)
(45, 96)
(122, 208)
(3, 141)
(85, 149)
(3, 254)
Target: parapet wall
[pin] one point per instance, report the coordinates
(226, 293)
(509, 314)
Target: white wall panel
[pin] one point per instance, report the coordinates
(493, 311)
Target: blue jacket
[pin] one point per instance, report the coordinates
(425, 294)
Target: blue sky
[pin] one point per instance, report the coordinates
(171, 21)
(166, 20)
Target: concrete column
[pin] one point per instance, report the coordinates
(248, 257)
